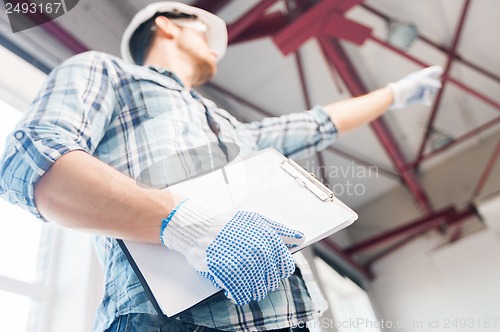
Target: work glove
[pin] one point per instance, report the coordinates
(244, 254)
(416, 88)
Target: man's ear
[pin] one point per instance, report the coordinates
(165, 27)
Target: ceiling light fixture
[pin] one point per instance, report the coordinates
(402, 34)
(439, 139)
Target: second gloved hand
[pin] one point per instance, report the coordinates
(416, 88)
(246, 254)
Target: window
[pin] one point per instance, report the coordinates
(49, 276)
(25, 243)
(350, 305)
(25, 247)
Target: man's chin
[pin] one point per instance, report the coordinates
(208, 72)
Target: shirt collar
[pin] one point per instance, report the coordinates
(174, 77)
(167, 73)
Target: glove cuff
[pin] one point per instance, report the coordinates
(187, 225)
(395, 92)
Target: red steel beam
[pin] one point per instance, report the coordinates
(348, 73)
(456, 141)
(487, 171)
(338, 26)
(303, 83)
(319, 155)
(307, 99)
(459, 84)
(458, 58)
(457, 219)
(416, 226)
(400, 244)
(265, 26)
(312, 22)
(442, 48)
(357, 160)
(337, 81)
(245, 21)
(211, 5)
(335, 26)
(303, 27)
(54, 29)
(447, 68)
(338, 250)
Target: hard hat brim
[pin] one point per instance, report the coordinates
(216, 34)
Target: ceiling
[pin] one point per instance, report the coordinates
(255, 78)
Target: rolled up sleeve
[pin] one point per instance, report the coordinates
(70, 113)
(295, 135)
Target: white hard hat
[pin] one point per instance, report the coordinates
(216, 34)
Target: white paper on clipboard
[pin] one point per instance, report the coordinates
(262, 183)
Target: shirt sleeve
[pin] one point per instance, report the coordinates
(70, 112)
(295, 135)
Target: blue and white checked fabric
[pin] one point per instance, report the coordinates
(263, 270)
(130, 117)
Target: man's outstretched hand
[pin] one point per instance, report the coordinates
(416, 88)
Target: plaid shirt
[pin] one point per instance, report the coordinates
(129, 116)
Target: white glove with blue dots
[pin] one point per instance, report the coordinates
(246, 255)
(416, 88)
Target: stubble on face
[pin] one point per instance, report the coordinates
(202, 59)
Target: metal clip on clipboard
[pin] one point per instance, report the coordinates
(308, 180)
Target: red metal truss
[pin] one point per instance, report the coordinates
(357, 266)
(459, 84)
(315, 20)
(247, 19)
(357, 160)
(289, 36)
(338, 26)
(277, 21)
(304, 27)
(211, 5)
(265, 26)
(442, 48)
(458, 58)
(447, 68)
(349, 75)
(307, 99)
(337, 151)
(447, 216)
(487, 171)
(334, 25)
(453, 220)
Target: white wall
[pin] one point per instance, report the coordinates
(428, 287)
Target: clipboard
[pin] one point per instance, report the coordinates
(267, 183)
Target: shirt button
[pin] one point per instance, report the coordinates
(19, 135)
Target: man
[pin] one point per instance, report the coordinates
(99, 122)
